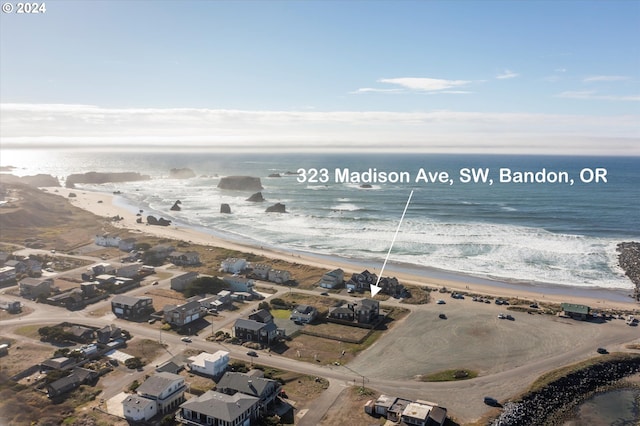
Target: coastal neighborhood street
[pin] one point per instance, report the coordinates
(508, 355)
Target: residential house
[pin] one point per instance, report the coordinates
(131, 308)
(266, 390)
(342, 313)
(82, 334)
(101, 269)
(4, 257)
(12, 307)
(254, 331)
(304, 314)
(332, 279)
(180, 282)
(279, 276)
(367, 311)
(32, 288)
(128, 271)
(139, 409)
(33, 267)
(239, 284)
(58, 363)
(217, 301)
(260, 270)
(164, 390)
(262, 315)
(7, 273)
(219, 409)
(362, 281)
(184, 259)
(19, 266)
(107, 240)
(423, 413)
(66, 384)
(391, 286)
(234, 265)
(212, 365)
(70, 299)
(183, 314)
(108, 333)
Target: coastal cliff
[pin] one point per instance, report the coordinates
(97, 177)
(629, 261)
(38, 181)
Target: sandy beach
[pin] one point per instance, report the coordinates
(109, 205)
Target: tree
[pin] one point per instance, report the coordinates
(204, 285)
(134, 363)
(264, 305)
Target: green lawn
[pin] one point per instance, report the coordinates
(281, 313)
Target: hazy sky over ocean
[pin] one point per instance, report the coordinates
(544, 77)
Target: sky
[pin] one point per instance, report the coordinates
(530, 77)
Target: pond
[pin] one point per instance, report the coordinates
(620, 407)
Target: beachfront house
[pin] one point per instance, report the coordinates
(260, 270)
(279, 276)
(361, 282)
(332, 279)
(366, 311)
(190, 258)
(234, 265)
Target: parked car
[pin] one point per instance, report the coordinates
(186, 339)
(442, 316)
(441, 302)
(152, 321)
(252, 353)
(602, 351)
(324, 293)
(491, 401)
(155, 283)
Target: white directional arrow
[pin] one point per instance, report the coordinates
(374, 287)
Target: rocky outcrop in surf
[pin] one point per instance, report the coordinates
(276, 208)
(184, 173)
(225, 208)
(176, 206)
(240, 183)
(151, 220)
(256, 198)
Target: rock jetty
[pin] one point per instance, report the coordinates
(549, 405)
(629, 261)
(240, 183)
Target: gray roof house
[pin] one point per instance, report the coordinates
(304, 314)
(255, 331)
(166, 390)
(265, 389)
(219, 409)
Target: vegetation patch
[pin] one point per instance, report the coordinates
(449, 375)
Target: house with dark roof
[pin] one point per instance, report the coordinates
(32, 288)
(262, 315)
(130, 307)
(266, 390)
(219, 409)
(189, 258)
(183, 314)
(66, 384)
(366, 311)
(304, 314)
(254, 331)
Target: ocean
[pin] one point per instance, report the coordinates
(561, 228)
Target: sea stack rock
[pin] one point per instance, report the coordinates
(274, 175)
(176, 206)
(225, 208)
(256, 198)
(240, 183)
(184, 173)
(98, 178)
(151, 220)
(276, 208)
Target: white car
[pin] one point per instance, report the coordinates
(186, 339)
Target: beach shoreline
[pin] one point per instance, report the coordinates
(108, 205)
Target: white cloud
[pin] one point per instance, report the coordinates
(425, 84)
(598, 78)
(51, 125)
(374, 90)
(593, 95)
(507, 74)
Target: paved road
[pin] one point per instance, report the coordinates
(463, 399)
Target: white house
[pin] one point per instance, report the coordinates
(210, 364)
(107, 240)
(128, 271)
(239, 284)
(138, 409)
(279, 276)
(261, 270)
(234, 265)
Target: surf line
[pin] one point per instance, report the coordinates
(374, 287)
